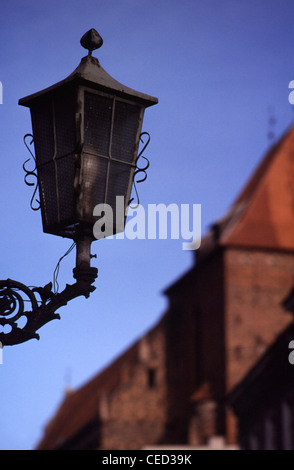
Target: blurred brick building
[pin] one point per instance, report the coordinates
(264, 399)
(170, 387)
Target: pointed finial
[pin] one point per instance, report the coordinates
(91, 40)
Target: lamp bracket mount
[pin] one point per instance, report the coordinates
(19, 324)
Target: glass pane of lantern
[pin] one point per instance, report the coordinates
(94, 182)
(118, 182)
(64, 117)
(125, 129)
(42, 122)
(105, 178)
(58, 202)
(48, 195)
(54, 136)
(98, 113)
(65, 168)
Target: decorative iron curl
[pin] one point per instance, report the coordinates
(19, 324)
(31, 173)
(138, 169)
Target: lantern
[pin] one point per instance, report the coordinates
(86, 132)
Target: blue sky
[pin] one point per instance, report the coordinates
(220, 70)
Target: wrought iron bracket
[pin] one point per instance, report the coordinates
(18, 323)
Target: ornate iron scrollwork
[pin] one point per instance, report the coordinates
(31, 173)
(138, 169)
(19, 323)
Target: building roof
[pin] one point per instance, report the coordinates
(263, 214)
(261, 217)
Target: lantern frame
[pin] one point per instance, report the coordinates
(88, 78)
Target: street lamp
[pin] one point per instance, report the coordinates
(86, 135)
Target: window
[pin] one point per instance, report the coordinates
(151, 378)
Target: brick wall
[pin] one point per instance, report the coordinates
(134, 413)
(195, 351)
(257, 282)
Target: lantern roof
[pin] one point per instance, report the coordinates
(90, 73)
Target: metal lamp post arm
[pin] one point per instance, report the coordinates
(20, 324)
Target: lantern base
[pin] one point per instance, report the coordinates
(85, 277)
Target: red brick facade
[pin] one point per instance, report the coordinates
(257, 284)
